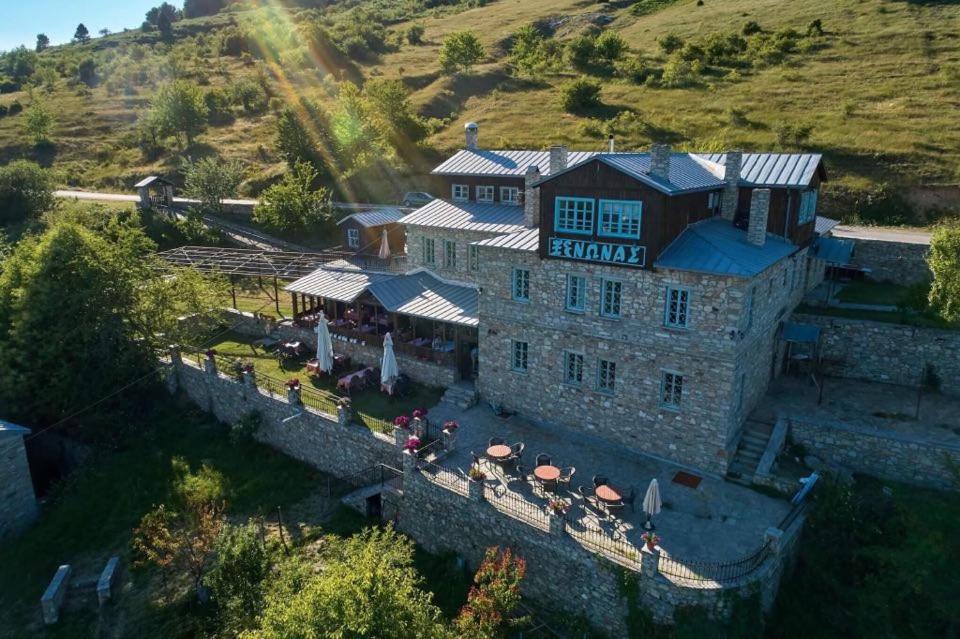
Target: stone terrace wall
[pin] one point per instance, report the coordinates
(314, 437)
(562, 574)
(896, 262)
(18, 504)
(879, 352)
(885, 454)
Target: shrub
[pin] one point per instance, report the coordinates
(415, 33)
(635, 69)
(460, 51)
(670, 43)
(944, 260)
(579, 95)
(580, 51)
(26, 191)
(236, 578)
(750, 28)
(792, 134)
(610, 46)
(246, 427)
(679, 72)
(294, 204)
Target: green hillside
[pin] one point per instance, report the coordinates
(873, 84)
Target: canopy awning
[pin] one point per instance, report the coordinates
(426, 296)
(342, 285)
(800, 333)
(832, 250)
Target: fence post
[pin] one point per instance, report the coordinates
(250, 379)
(210, 363)
(293, 396)
(650, 561)
(400, 436)
(409, 461)
(175, 355)
(344, 412)
(772, 537)
(475, 489)
(556, 523)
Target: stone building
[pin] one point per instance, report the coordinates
(18, 504)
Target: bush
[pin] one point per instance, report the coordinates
(246, 427)
(295, 205)
(460, 51)
(415, 33)
(580, 95)
(679, 72)
(610, 46)
(636, 69)
(580, 51)
(791, 134)
(26, 191)
(750, 28)
(670, 43)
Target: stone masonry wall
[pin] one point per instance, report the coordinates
(889, 455)
(313, 437)
(462, 239)
(880, 352)
(897, 262)
(18, 504)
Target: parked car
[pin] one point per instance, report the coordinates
(416, 198)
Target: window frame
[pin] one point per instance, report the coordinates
(432, 253)
(487, 188)
(611, 375)
(473, 258)
(515, 201)
(455, 188)
(808, 206)
(513, 285)
(674, 375)
(353, 237)
(620, 233)
(603, 298)
(582, 308)
(523, 364)
(450, 254)
(575, 358)
(590, 214)
(686, 307)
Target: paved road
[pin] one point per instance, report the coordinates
(124, 197)
(906, 236)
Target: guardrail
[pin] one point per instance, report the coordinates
(719, 572)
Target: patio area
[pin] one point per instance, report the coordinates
(704, 518)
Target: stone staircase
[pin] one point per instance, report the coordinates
(463, 395)
(753, 442)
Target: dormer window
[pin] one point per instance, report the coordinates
(461, 192)
(353, 238)
(713, 202)
(509, 195)
(574, 215)
(485, 193)
(620, 218)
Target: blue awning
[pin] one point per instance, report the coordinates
(832, 250)
(800, 333)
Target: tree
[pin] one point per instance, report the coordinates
(179, 108)
(460, 51)
(293, 204)
(43, 42)
(211, 181)
(26, 191)
(944, 261)
(104, 32)
(38, 122)
(87, 71)
(494, 597)
(82, 34)
(390, 101)
(19, 64)
(579, 95)
(293, 141)
(236, 578)
(368, 588)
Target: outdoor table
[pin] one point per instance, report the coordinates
(421, 341)
(499, 452)
(546, 473)
(313, 366)
(608, 494)
(344, 382)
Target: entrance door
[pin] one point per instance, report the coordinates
(467, 357)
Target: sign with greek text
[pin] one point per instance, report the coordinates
(602, 252)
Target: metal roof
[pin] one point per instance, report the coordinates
(147, 181)
(832, 250)
(375, 217)
(234, 261)
(7, 428)
(424, 295)
(343, 284)
(686, 173)
(774, 169)
(503, 163)
(526, 240)
(468, 216)
(824, 225)
(716, 246)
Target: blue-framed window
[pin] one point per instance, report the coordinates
(606, 376)
(671, 390)
(521, 285)
(519, 351)
(808, 206)
(575, 298)
(573, 215)
(611, 295)
(572, 368)
(620, 218)
(677, 311)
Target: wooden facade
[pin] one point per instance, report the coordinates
(370, 237)
(783, 215)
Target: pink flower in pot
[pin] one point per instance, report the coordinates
(450, 426)
(293, 384)
(210, 353)
(413, 444)
(419, 413)
(402, 421)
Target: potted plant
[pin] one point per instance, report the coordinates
(210, 353)
(420, 413)
(558, 507)
(402, 421)
(412, 445)
(651, 538)
(450, 426)
(293, 384)
(343, 402)
(248, 367)
(475, 474)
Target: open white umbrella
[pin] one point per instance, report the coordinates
(384, 245)
(324, 346)
(388, 367)
(652, 502)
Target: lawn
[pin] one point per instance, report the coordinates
(254, 296)
(369, 402)
(864, 292)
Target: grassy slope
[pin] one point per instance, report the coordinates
(879, 95)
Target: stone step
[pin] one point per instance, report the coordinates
(753, 448)
(753, 437)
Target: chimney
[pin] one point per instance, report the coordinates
(660, 161)
(731, 187)
(759, 210)
(473, 135)
(531, 197)
(558, 158)
(610, 145)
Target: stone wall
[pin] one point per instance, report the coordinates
(896, 262)
(886, 454)
(881, 352)
(18, 504)
(562, 574)
(462, 239)
(313, 437)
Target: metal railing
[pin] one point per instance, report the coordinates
(719, 572)
(450, 479)
(378, 474)
(616, 549)
(373, 423)
(516, 506)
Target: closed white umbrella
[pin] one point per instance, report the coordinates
(384, 245)
(324, 346)
(388, 367)
(652, 502)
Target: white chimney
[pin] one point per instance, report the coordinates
(660, 161)
(610, 144)
(531, 197)
(558, 158)
(473, 135)
(759, 211)
(731, 188)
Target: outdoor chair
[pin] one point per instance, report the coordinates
(516, 452)
(600, 480)
(566, 475)
(614, 510)
(543, 460)
(495, 441)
